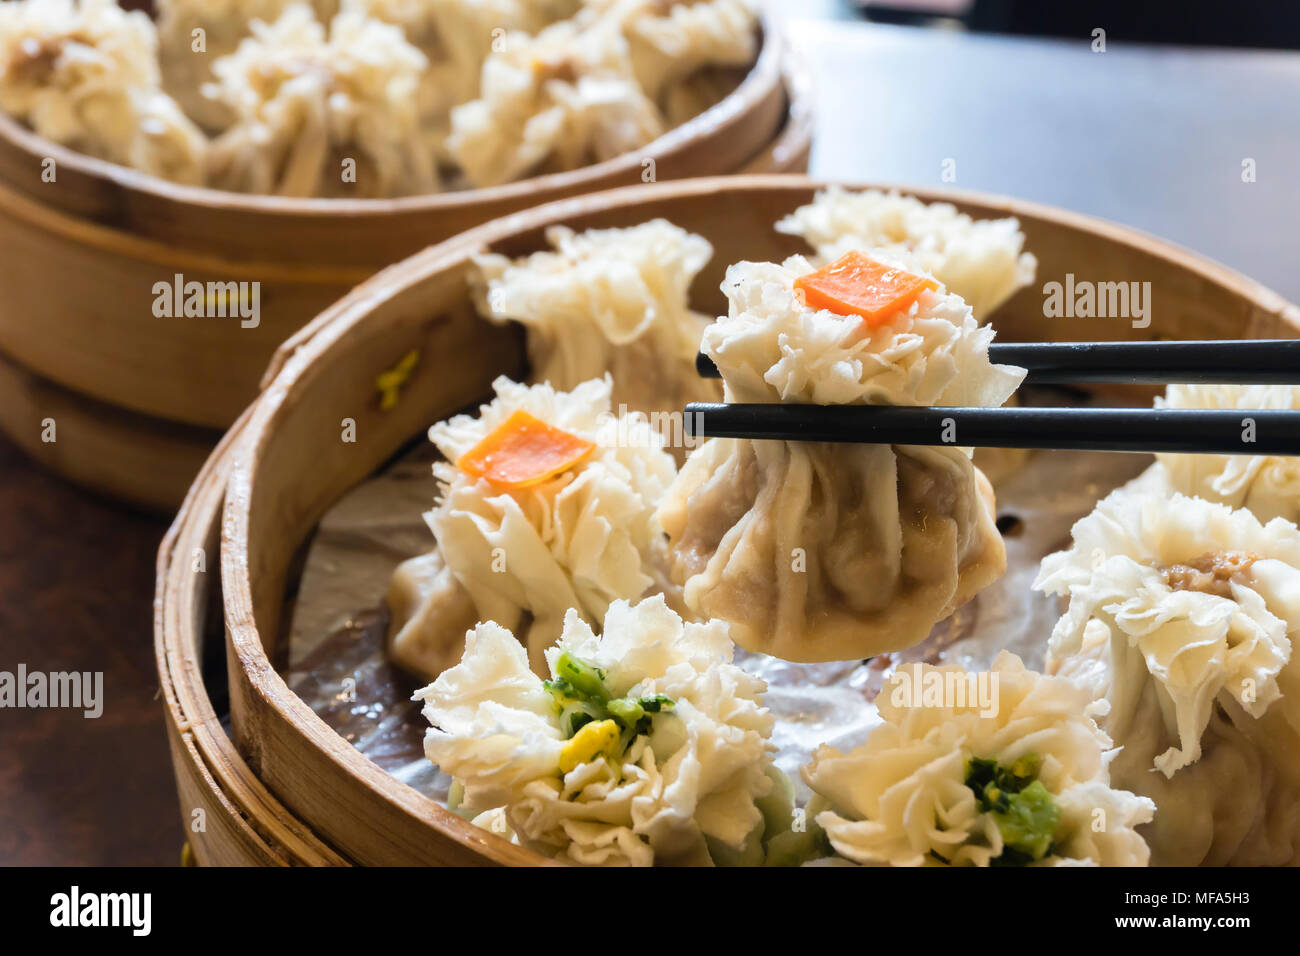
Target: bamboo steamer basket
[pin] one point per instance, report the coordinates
(79, 259)
(131, 457)
(288, 464)
(243, 823)
(230, 818)
(118, 231)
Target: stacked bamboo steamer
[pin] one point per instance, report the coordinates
(138, 401)
(282, 787)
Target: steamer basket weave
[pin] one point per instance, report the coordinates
(288, 464)
(79, 258)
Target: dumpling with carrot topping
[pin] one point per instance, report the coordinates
(1182, 620)
(546, 504)
(995, 768)
(818, 551)
(645, 746)
(981, 260)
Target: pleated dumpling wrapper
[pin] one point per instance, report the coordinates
(669, 42)
(322, 112)
(85, 75)
(1181, 621)
(456, 36)
(821, 551)
(561, 99)
(1267, 485)
(646, 746)
(981, 260)
(1001, 767)
(547, 503)
(609, 300)
(193, 34)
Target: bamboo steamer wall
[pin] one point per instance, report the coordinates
(80, 257)
(230, 818)
(287, 465)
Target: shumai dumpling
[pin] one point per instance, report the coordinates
(1181, 621)
(1266, 485)
(819, 551)
(562, 99)
(322, 113)
(456, 37)
(671, 42)
(194, 34)
(646, 746)
(998, 768)
(980, 260)
(547, 503)
(609, 300)
(85, 75)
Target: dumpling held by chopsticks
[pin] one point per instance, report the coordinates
(817, 551)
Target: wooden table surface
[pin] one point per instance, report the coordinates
(1154, 138)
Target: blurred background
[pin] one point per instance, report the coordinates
(1176, 118)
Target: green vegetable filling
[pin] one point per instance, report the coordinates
(581, 696)
(1025, 812)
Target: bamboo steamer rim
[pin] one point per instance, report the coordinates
(763, 75)
(293, 366)
(267, 833)
(791, 140)
(267, 682)
(483, 235)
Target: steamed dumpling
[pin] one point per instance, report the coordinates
(562, 99)
(609, 300)
(522, 556)
(1181, 620)
(456, 37)
(980, 260)
(1267, 485)
(194, 34)
(818, 551)
(669, 42)
(647, 746)
(322, 113)
(978, 769)
(85, 75)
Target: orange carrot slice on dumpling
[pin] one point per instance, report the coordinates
(856, 284)
(524, 451)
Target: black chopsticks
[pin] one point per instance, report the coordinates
(1218, 431)
(1233, 362)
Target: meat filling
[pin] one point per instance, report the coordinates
(1210, 573)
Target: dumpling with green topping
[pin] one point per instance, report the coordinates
(646, 746)
(999, 768)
